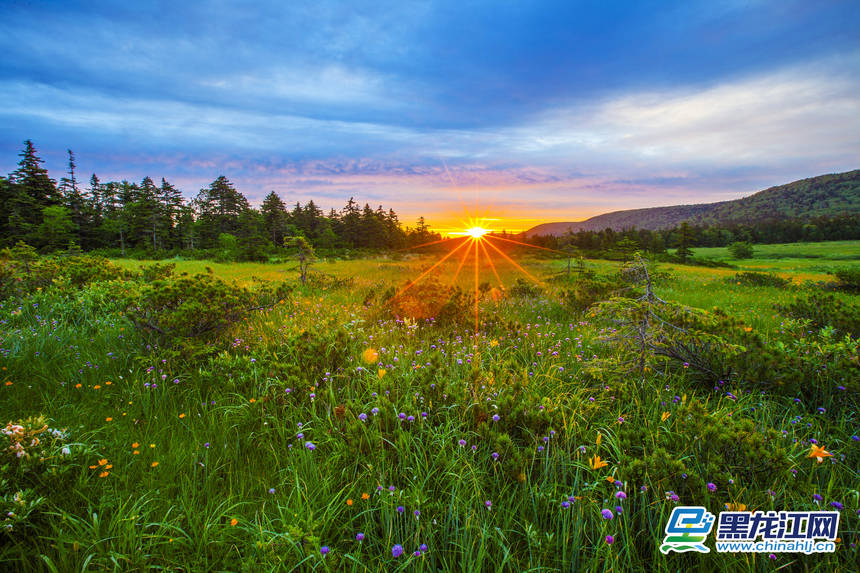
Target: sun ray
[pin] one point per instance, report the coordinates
(460, 266)
(513, 262)
(492, 266)
(425, 273)
(427, 244)
(476, 240)
(525, 244)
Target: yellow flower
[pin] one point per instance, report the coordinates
(96, 387)
(664, 416)
(599, 438)
(136, 452)
(818, 453)
(135, 445)
(104, 474)
(370, 356)
(108, 419)
(103, 462)
(596, 463)
(252, 400)
(182, 415)
(494, 343)
(382, 372)
(610, 479)
(154, 464)
(736, 506)
(233, 522)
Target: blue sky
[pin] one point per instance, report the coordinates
(534, 111)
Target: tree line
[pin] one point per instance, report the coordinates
(154, 218)
(620, 244)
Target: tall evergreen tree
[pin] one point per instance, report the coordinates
(274, 218)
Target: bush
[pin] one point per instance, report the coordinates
(849, 279)
(741, 250)
(586, 292)
(525, 289)
(825, 310)
(759, 279)
(177, 310)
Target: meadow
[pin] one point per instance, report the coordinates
(357, 423)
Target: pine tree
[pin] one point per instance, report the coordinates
(274, 218)
(219, 207)
(685, 241)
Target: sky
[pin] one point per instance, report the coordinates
(518, 112)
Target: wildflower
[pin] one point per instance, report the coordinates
(359, 537)
(362, 416)
(818, 453)
(836, 505)
(182, 415)
(489, 504)
(417, 553)
(712, 487)
(135, 445)
(565, 504)
(400, 509)
(607, 514)
(153, 465)
(620, 495)
(495, 455)
(271, 491)
(462, 442)
(599, 438)
(324, 549)
(735, 507)
(206, 445)
(310, 446)
(381, 372)
(596, 463)
(349, 502)
(665, 416)
(423, 547)
(610, 540)
(370, 356)
(817, 498)
(397, 551)
(365, 496)
(619, 510)
(417, 513)
(496, 417)
(771, 556)
(233, 522)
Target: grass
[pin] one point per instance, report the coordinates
(211, 469)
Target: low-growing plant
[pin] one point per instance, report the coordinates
(822, 310)
(756, 279)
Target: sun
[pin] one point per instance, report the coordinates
(476, 232)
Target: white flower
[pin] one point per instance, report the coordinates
(66, 451)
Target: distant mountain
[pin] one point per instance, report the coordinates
(825, 195)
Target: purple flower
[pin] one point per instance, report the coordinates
(206, 445)
(620, 495)
(565, 504)
(397, 551)
(771, 556)
(610, 540)
(836, 505)
(619, 510)
(462, 442)
(400, 509)
(362, 416)
(310, 446)
(423, 547)
(271, 490)
(496, 417)
(712, 487)
(359, 537)
(540, 449)
(606, 513)
(401, 415)
(495, 455)
(489, 504)
(324, 549)
(417, 513)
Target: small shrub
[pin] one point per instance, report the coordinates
(525, 289)
(741, 250)
(759, 279)
(849, 279)
(825, 310)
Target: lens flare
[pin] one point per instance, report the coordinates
(477, 232)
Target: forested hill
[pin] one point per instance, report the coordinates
(822, 196)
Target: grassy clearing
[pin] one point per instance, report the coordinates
(323, 422)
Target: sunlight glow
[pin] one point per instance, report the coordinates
(476, 232)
